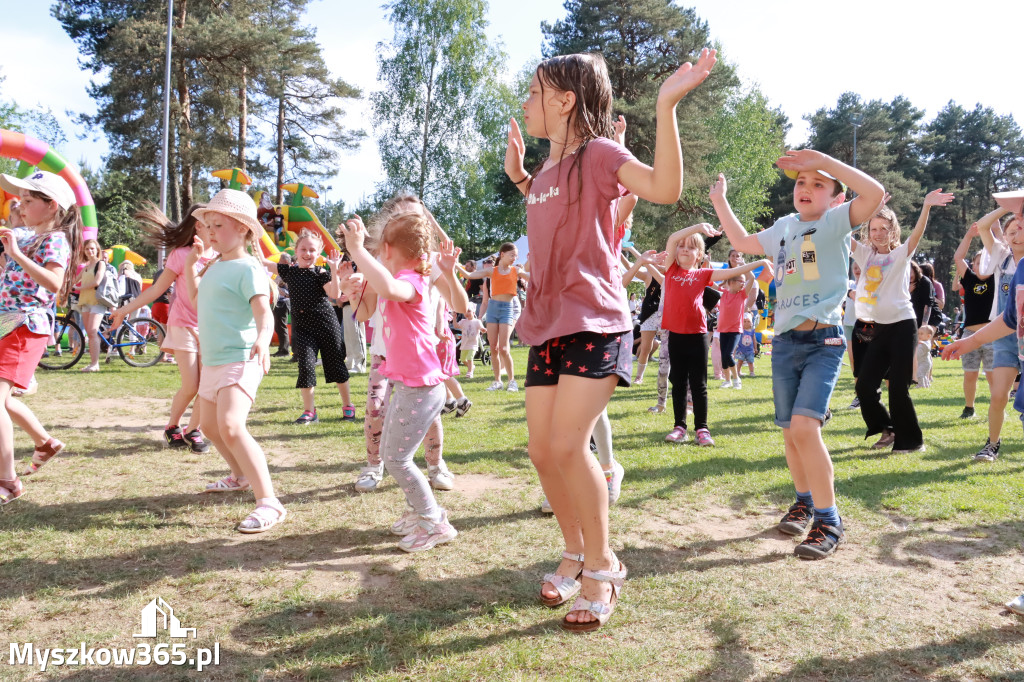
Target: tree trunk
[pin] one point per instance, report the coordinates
(242, 114)
(185, 134)
(426, 128)
(280, 149)
(174, 193)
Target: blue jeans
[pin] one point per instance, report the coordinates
(805, 368)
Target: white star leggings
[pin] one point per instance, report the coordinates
(410, 411)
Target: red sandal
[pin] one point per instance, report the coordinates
(43, 454)
(11, 490)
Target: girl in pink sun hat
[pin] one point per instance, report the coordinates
(232, 297)
(42, 261)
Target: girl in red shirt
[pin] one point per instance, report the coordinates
(684, 319)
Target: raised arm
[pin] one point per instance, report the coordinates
(645, 258)
(155, 291)
(449, 258)
(680, 235)
(734, 231)
(963, 249)
(662, 183)
(987, 226)
(933, 198)
(729, 273)
(751, 290)
(377, 276)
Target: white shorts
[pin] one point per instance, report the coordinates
(246, 375)
(652, 323)
(180, 338)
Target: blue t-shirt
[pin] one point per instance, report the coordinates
(811, 264)
(227, 328)
(1015, 321)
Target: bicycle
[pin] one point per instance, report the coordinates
(134, 340)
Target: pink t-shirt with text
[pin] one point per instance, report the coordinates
(730, 311)
(684, 300)
(408, 332)
(575, 285)
(181, 313)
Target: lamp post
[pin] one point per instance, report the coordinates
(167, 124)
(856, 120)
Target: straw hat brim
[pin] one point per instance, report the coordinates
(247, 220)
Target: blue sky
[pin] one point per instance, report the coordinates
(803, 55)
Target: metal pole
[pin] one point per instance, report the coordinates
(854, 146)
(167, 124)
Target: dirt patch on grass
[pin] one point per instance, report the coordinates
(135, 415)
(475, 486)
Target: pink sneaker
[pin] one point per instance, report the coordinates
(704, 438)
(428, 534)
(677, 435)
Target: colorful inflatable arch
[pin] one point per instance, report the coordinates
(35, 153)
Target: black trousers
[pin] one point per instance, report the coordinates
(281, 310)
(688, 354)
(890, 351)
(727, 343)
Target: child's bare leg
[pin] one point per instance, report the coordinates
(6, 435)
(233, 406)
(811, 467)
(504, 349)
(346, 396)
(454, 388)
(492, 334)
(211, 429)
(188, 371)
(26, 420)
(308, 402)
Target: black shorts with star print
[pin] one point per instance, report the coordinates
(585, 354)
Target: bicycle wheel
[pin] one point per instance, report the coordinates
(139, 340)
(69, 346)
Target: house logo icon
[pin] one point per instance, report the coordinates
(158, 611)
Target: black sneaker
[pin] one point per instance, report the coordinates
(989, 453)
(308, 418)
(195, 441)
(281, 354)
(593, 445)
(827, 419)
(821, 541)
(449, 406)
(967, 413)
(463, 407)
(797, 519)
(175, 438)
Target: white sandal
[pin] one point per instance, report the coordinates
(228, 484)
(262, 518)
(567, 588)
(602, 610)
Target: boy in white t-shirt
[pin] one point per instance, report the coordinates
(471, 328)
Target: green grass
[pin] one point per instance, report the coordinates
(714, 592)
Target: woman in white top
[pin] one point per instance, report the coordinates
(883, 300)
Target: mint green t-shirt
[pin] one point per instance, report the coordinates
(227, 328)
(812, 261)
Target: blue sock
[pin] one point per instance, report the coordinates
(805, 498)
(829, 515)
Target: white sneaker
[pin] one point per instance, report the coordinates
(737, 383)
(369, 478)
(407, 523)
(1017, 605)
(614, 480)
(440, 477)
(726, 384)
(428, 534)
(545, 507)
(513, 387)
(495, 386)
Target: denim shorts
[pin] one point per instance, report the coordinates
(1004, 352)
(805, 368)
(500, 312)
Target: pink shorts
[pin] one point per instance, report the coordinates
(246, 375)
(180, 338)
(20, 352)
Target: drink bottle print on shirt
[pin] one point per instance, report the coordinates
(809, 257)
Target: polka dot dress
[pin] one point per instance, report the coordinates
(315, 326)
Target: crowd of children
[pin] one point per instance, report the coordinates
(401, 276)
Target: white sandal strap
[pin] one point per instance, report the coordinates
(572, 557)
(565, 587)
(261, 515)
(598, 608)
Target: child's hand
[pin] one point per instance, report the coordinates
(355, 233)
(956, 350)
(198, 249)
(972, 231)
(707, 230)
(686, 78)
(648, 257)
(802, 160)
(352, 286)
(661, 259)
(117, 317)
(10, 243)
(768, 267)
(449, 255)
(719, 188)
(619, 125)
(333, 259)
(261, 352)
(515, 152)
(937, 198)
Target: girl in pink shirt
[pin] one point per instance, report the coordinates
(182, 338)
(736, 297)
(415, 375)
(576, 318)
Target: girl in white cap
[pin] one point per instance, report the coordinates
(42, 261)
(235, 324)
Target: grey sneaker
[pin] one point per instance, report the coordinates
(855, 404)
(989, 453)
(440, 477)
(545, 507)
(369, 478)
(513, 387)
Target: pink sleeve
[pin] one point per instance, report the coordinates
(706, 274)
(417, 281)
(176, 261)
(608, 158)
